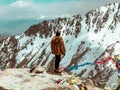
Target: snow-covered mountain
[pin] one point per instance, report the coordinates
(88, 38)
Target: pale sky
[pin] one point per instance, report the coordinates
(11, 10)
(15, 9)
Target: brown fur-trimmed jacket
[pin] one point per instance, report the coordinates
(57, 45)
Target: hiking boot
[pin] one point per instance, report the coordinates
(57, 71)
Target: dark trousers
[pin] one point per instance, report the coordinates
(57, 61)
(118, 88)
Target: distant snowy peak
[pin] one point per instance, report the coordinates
(45, 17)
(99, 17)
(108, 8)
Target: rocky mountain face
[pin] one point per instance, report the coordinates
(1, 38)
(88, 38)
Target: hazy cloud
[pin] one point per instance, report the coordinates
(35, 8)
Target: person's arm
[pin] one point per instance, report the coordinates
(63, 49)
(52, 46)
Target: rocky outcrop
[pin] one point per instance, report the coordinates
(22, 79)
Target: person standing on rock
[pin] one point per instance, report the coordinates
(58, 49)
